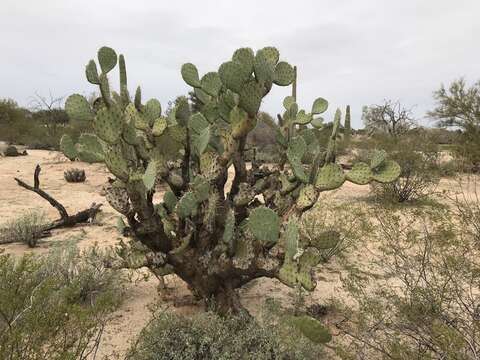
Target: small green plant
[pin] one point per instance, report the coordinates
(26, 229)
(74, 175)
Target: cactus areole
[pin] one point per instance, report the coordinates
(215, 237)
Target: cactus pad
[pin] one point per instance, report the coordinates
(211, 83)
(190, 75)
(284, 74)
(302, 118)
(307, 197)
(68, 147)
(288, 274)
(170, 200)
(107, 58)
(187, 205)
(233, 75)
(377, 159)
(150, 175)
(360, 174)
(108, 124)
(251, 96)
(92, 73)
(330, 177)
(319, 106)
(78, 108)
(326, 240)
(264, 224)
(271, 53)
(116, 162)
(159, 126)
(388, 172)
(245, 57)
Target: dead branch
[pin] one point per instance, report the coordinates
(65, 220)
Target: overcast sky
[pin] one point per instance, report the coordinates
(349, 52)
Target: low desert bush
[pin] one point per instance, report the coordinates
(340, 226)
(43, 312)
(209, 336)
(418, 158)
(26, 229)
(419, 297)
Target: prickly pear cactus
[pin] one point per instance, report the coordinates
(215, 237)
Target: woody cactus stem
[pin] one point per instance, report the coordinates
(216, 239)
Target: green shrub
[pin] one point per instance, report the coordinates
(26, 229)
(209, 336)
(418, 296)
(43, 310)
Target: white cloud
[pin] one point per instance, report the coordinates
(350, 52)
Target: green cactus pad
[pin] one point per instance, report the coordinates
(288, 274)
(182, 111)
(67, 147)
(187, 205)
(284, 74)
(105, 89)
(159, 126)
(201, 188)
(132, 116)
(88, 156)
(295, 152)
(202, 95)
(288, 102)
(150, 175)
(232, 75)
(211, 83)
(200, 141)
(116, 162)
(197, 123)
(138, 98)
(302, 118)
(78, 108)
(312, 329)
(264, 224)
(291, 237)
(388, 172)
(170, 201)
(317, 122)
(129, 133)
(360, 174)
(319, 106)
(91, 73)
(251, 96)
(326, 240)
(307, 197)
(330, 177)
(190, 75)
(378, 158)
(245, 58)
(90, 142)
(238, 119)
(118, 199)
(263, 68)
(309, 259)
(152, 110)
(271, 54)
(107, 57)
(108, 124)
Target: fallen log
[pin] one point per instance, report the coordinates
(65, 220)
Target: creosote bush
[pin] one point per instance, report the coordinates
(421, 301)
(215, 240)
(54, 306)
(26, 229)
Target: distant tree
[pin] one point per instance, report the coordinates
(457, 106)
(390, 118)
(49, 112)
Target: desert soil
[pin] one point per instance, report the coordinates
(134, 313)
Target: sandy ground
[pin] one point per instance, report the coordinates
(134, 313)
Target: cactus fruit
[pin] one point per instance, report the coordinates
(216, 237)
(74, 175)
